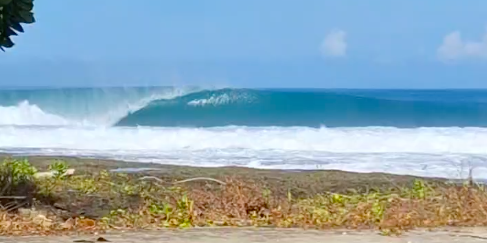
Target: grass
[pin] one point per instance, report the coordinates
(101, 201)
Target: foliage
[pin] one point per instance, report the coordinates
(17, 179)
(20, 169)
(13, 13)
(59, 168)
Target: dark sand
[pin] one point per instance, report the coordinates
(302, 183)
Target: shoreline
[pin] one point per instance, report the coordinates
(313, 181)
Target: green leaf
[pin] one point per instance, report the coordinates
(27, 17)
(16, 26)
(27, 6)
(7, 43)
(5, 2)
(10, 32)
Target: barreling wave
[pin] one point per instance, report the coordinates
(245, 107)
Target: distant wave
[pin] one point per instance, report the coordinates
(193, 107)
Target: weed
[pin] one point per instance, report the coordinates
(59, 168)
(17, 179)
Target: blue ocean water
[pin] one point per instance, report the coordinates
(419, 132)
(315, 108)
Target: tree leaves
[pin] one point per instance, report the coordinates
(13, 13)
(4, 2)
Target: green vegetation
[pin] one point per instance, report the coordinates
(103, 200)
(59, 168)
(16, 178)
(13, 13)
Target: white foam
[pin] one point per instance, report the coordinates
(213, 100)
(444, 152)
(104, 110)
(222, 99)
(27, 114)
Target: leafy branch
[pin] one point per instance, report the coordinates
(13, 13)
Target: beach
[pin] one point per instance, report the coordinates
(106, 195)
(307, 182)
(170, 158)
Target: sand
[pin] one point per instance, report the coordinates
(267, 236)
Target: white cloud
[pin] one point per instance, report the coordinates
(454, 47)
(334, 44)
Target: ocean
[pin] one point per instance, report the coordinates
(416, 132)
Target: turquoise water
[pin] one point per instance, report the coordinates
(417, 132)
(192, 107)
(313, 108)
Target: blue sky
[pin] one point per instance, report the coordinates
(253, 43)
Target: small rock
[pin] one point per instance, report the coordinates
(101, 239)
(25, 212)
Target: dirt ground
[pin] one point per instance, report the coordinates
(302, 183)
(267, 236)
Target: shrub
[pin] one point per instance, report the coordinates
(17, 181)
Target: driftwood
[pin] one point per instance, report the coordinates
(201, 179)
(184, 181)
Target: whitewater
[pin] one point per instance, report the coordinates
(402, 132)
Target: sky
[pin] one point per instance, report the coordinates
(252, 43)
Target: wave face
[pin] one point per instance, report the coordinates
(425, 133)
(312, 108)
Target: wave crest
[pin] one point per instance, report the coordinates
(222, 97)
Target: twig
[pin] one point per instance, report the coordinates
(10, 209)
(472, 236)
(13, 197)
(200, 179)
(470, 177)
